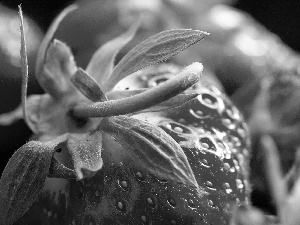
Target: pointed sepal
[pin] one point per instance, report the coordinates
(102, 62)
(150, 147)
(85, 150)
(88, 86)
(24, 177)
(153, 50)
(41, 55)
(58, 68)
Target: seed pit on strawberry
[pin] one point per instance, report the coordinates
(172, 202)
(204, 163)
(121, 206)
(198, 114)
(210, 203)
(227, 167)
(123, 184)
(150, 202)
(226, 185)
(209, 100)
(201, 109)
(177, 128)
(209, 184)
(139, 176)
(207, 144)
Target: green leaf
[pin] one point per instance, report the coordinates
(88, 86)
(24, 177)
(102, 62)
(153, 50)
(168, 104)
(151, 97)
(85, 150)
(58, 68)
(150, 147)
(44, 46)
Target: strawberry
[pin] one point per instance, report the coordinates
(118, 149)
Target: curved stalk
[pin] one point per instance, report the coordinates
(188, 77)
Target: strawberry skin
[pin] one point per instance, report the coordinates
(215, 142)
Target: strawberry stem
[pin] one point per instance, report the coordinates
(188, 77)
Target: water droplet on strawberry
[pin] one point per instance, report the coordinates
(232, 170)
(227, 166)
(228, 190)
(239, 184)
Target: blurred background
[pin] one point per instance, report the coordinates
(234, 26)
(279, 16)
